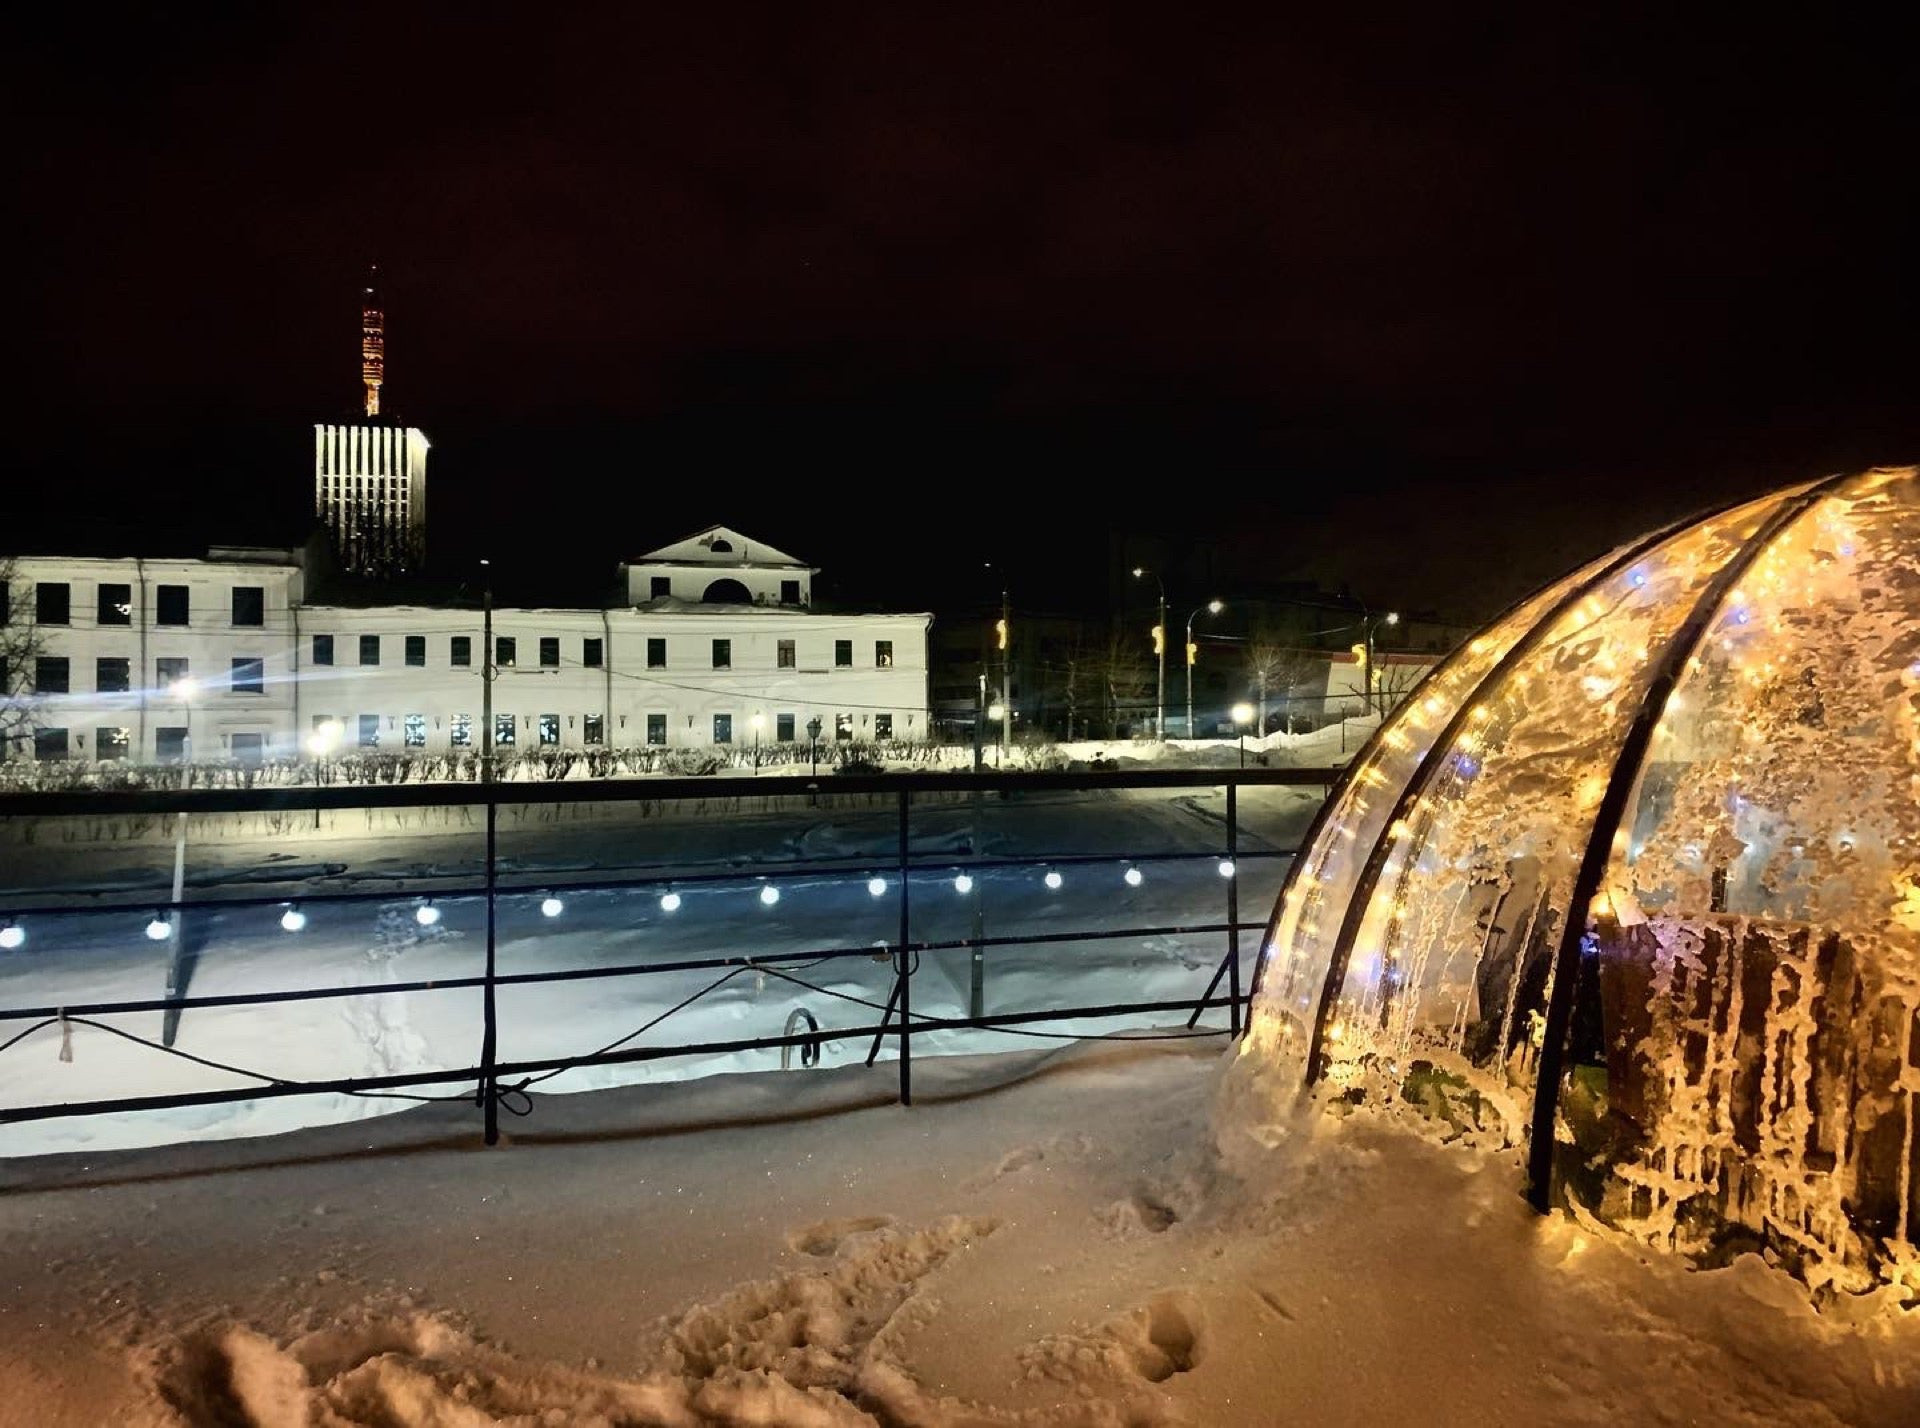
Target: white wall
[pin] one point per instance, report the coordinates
(209, 642)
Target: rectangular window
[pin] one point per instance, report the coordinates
(248, 748)
(656, 728)
(249, 676)
(656, 654)
(789, 592)
(549, 725)
(461, 726)
(783, 728)
(504, 652)
(49, 745)
(460, 652)
(883, 654)
(843, 726)
(883, 726)
(416, 651)
(249, 605)
(170, 605)
(169, 671)
(843, 654)
(115, 605)
(113, 676)
(413, 731)
(590, 653)
(723, 654)
(723, 728)
(323, 649)
(549, 652)
(660, 587)
(783, 654)
(53, 605)
(593, 729)
(369, 731)
(110, 743)
(503, 731)
(170, 744)
(369, 649)
(50, 676)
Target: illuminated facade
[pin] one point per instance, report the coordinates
(370, 492)
(1634, 880)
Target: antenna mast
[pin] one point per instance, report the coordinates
(373, 341)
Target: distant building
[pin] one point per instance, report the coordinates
(370, 494)
(229, 658)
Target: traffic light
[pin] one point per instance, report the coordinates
(1193, 652)
(1000, 632)
(1159, 639)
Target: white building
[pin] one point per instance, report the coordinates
(267, 674)
(370, 493)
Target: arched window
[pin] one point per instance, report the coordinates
(721, 546)
(727, 592)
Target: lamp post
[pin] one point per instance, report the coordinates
(1140, 572)
(486, 672)
(813, 739)
(759, 722)
(1212, 607)
(1390, 617)
(185, 689)
(1242, 715)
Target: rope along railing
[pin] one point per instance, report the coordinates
(495, 1081)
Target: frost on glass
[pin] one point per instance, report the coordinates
(1744, 1051)
(1752, 1067)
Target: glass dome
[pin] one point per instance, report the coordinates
(1634, 879)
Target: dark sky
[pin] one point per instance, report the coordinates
(1430, 306)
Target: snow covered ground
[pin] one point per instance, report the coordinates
(72, 959)
(1050, 1238)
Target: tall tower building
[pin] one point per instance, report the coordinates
(370, 477)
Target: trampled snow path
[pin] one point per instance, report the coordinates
(1043, 1240)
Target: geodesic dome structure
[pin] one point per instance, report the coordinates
(1634, 878)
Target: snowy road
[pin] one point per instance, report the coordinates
(83, 957)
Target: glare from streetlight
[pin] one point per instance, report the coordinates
(1214, 607)
(996, 711)
(186, 687)
(1242, 713)
(1393, 617)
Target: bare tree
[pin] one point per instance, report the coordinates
(1274, 667)
(20, 645)
(1125, 677)
(1392, 683)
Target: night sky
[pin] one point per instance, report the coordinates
(1429, 307)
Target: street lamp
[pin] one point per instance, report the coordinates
(1390, 617)
(1140, 572)
(813, 738)
(1212, 607)
(759, 722)
(1242, 716)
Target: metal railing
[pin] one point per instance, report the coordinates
(497, 1080)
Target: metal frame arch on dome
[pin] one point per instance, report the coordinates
(1339, 789)
(1417, 784)
(1628, 763)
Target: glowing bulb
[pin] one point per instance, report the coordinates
(962, 883)
(769, 895)
(1053, 880)
(426, 914)
(670, 902)
(12, 937)
(551, 906)
(292, 920)
(159, 929)
(876, 886)
(1226, 867)
(1133, 877)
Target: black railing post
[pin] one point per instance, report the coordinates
(1233, 912)
(904, 967)
(489, 1027)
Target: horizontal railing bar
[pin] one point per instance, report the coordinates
(625, 969)
(358, 1084)
(108, 802)
(777, 871)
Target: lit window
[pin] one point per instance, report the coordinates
(503, 731)
(843, 726)
(369, 731)
(883, 726)
(883, 654)
(110, 743)
(723, 728)
(413, 731)
(460, 729)
(549, 729)
(593, 729)
(115, 606)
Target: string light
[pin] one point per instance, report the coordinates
(293, 920)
